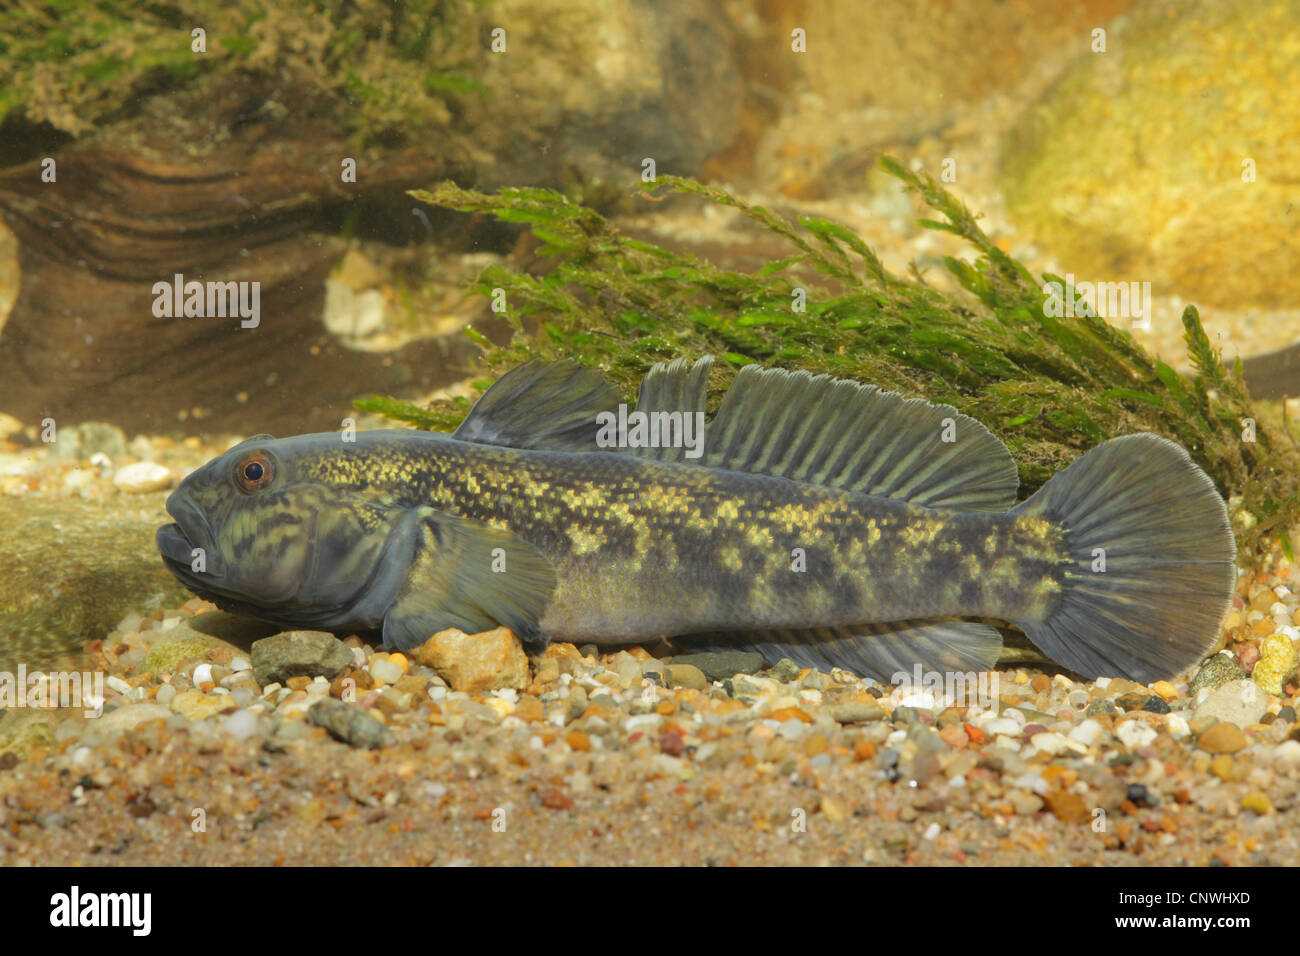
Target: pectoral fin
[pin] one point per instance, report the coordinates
(469, 575)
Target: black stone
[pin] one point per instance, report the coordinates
(1139, 795)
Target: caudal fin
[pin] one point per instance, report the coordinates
(1152, 575)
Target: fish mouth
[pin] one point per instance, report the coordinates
(177, 541)
(173, 545)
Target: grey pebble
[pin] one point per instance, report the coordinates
(722, 664)
(1215, 672)
(785, 670)
(906, 715)
(854, 711)
(298, 654)
(89, 438)
(1100, 707)
(350, 724)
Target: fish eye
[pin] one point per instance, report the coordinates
(254, 471)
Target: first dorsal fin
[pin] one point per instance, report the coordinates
(675, 387)
(838, 433)
(543, 405)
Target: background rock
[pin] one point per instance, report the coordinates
(1130, 169)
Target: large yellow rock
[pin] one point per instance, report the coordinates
(1131, 168)
(1277, 662)
(476, 663)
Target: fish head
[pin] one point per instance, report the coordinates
(262, 530)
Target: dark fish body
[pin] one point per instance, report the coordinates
(645, 548)
(824, 521)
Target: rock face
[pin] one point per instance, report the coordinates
(71, 569)
(1131, 169)
(194, 181)
(101, 274)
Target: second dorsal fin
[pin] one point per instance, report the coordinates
(840, 434)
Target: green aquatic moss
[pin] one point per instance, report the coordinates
(1049, 387)
(392, 67)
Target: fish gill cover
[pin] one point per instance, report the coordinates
(1050, 387)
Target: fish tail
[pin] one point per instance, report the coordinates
(1151, 561)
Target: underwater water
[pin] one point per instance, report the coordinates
(1067, 222)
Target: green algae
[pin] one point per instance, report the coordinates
(1050, 387)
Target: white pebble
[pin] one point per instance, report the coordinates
(202, 674)
(386, 671)
(1086, 732)
(240, 664)
(1287, 754)
(1101, 683)
(931, 831)
(641, 722)
(1032, 781)
(1133, 734)
(241, 725)
(810, 698)
(923, 700)
(1177, 726)
(142, 476)
(243, 695)
(1018, 716)
(996, 726)
(794, 729)
(165, 694)
(117, 684)
(1050, 742)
